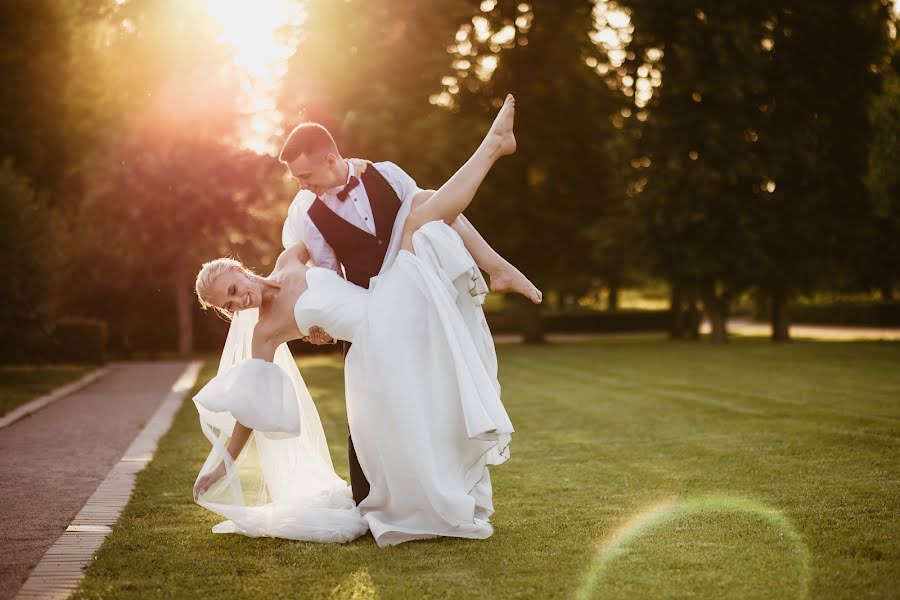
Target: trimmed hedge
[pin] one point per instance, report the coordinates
(870, 314)
(588, 322)
(80, 340)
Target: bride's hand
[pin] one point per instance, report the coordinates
(205, 482)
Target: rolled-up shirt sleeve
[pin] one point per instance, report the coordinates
(298, 227)
(294, 229)
(321, 254)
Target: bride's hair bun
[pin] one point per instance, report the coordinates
(207, 276)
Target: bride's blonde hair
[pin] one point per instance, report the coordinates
(207, 276)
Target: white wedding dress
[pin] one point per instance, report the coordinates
(423, 403)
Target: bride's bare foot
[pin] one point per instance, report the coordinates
(500, 137)
(510, 279)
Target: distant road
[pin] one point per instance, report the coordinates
(815, 332)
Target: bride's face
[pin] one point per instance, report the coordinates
(233, 291)
(315, 173)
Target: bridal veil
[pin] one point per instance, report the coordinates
(283, 483)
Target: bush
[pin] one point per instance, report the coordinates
(870, 314)
(610, 321)
(80, 340)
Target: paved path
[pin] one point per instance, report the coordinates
(52, 461)
(814, 332)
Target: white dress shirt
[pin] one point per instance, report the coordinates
(356, 210)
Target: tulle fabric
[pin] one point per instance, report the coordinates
(283, 483)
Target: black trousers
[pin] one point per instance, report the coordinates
(359, 485)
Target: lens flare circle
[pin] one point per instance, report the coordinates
(670, 509)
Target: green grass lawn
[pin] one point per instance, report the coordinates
(640, 468)
(19, 385)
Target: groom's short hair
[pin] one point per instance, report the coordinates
(307, 138)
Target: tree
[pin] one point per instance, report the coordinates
(882, 263)
(370, 83)
(814, 139)
(27, 251)
(701, 171)
(48, 121)
(542, 207)
(755, 138)
(171, 188)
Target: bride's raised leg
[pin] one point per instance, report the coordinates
(452, 198)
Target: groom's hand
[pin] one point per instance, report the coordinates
(359, 164)
(318, 337)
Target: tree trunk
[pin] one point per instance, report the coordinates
(781, 324)
(184, 313)
(676, 322)
(692, 319)
(127, 335)
(530, 322)
(612, 301)
(717, 311)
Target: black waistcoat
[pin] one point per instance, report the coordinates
(359, 251)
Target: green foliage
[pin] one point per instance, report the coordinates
(371, 85)
(365, 70)
(604, 432)
(123, 122)
(33, 54)
(27, 248)
(170, 189)
(587, 321)
(757, 139)
(863, 314)
(541, 206)
(883, 181)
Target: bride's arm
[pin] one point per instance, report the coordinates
(239, 437)
(263, 347)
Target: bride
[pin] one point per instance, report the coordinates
(423, 401)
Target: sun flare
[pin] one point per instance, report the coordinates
(262, 35)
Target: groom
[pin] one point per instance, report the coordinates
(345, 212)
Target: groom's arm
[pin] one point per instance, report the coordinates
(298, 227)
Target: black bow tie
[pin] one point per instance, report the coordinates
(345, 191)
